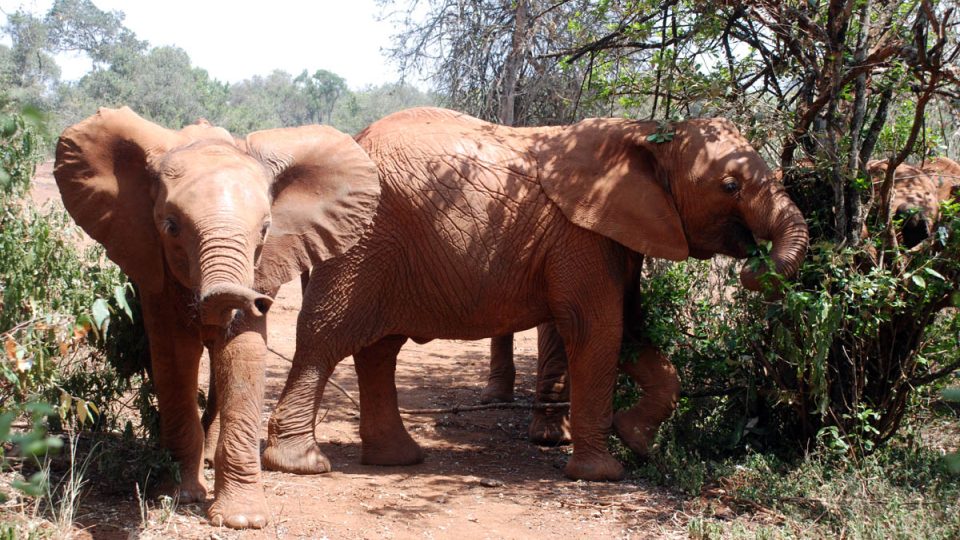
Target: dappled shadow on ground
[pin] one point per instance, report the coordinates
(481, 478)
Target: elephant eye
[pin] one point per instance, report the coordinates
(731, 185)
(264, 231)
(171, 228)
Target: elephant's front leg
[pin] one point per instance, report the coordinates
(175, 350)
(551, 426)
(291, 444)
(238, 363)
(503, 373)
(592, 344)
(656, 376)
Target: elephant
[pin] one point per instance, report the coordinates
(483, 230)
(208, 227)
(945, 173)
(915, 199)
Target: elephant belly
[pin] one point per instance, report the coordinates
(469, 250)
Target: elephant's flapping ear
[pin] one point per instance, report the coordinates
(102, 172)
(325, 193)
(607, 183)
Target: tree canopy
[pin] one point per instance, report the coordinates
(162, 83)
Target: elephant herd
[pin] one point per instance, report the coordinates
(429, 224)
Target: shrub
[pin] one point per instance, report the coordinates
(71, 341)
(834, 363)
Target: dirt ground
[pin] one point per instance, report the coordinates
(481, 477)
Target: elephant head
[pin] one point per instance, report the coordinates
(696, 190)
(945, 173)
(914, 200)
(224, 218)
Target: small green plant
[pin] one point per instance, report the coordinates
(663, 133)
(952, 460)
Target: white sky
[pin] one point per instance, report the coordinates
(236, 40)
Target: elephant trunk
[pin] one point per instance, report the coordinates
(219, 303)
(787, 231)
(226, 276)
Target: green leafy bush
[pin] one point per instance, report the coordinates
(70, 334)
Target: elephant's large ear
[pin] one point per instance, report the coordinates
(325, 193)
(615, 189)
(101, 170)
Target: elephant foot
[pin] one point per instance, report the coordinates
(187, 491)
(242, 509)
(635, 431)
(192, 491)
(550, 427)
(296, 459)
(400, 450)
(496, 392)
(595, 467)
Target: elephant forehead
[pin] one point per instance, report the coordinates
(201, 157)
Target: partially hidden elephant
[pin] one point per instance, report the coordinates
(483, 230)
(914, 200)
(945, 173)
(649, 368)
(918, 192)
(208, 227)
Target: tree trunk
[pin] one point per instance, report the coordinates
(511, 68)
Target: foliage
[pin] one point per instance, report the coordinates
(66, 317)
(496, 60)
(323, 90)
(901, 492)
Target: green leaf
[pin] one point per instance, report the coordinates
(39, 409)
(6, 420)
(34, 448)
(101, 313)
(33, 116)
(120, 295)
(918, 281)
(34, 487)
(934, 273)
(8, 126)
(953, 462)
(660, 137)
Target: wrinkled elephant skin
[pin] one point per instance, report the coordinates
(483, 230)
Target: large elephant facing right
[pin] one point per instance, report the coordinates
(484, 230)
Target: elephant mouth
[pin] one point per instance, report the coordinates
(740, 243)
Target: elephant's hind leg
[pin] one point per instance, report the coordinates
(384, 439)
(551, 427)
(211, 423)
(656, 376)
(503, 373)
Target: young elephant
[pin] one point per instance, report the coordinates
(484, 230)
(209, 227)
(915, 199)
(945, 173)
